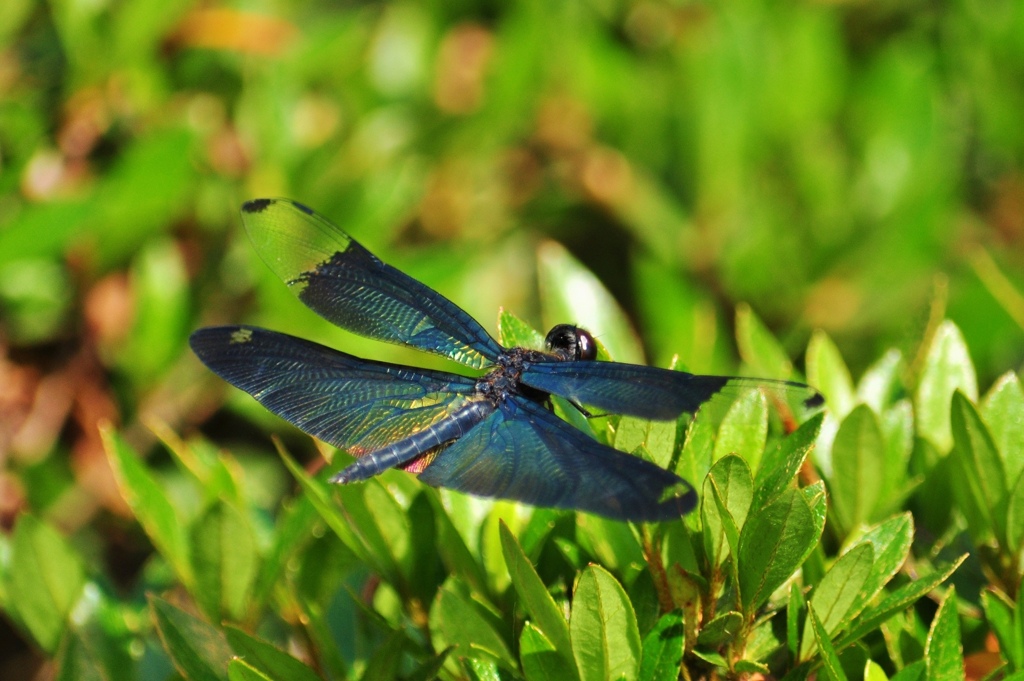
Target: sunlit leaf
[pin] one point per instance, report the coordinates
(605, 638)
(45, 578)
(944, 649)
(540, 660)
(774, 542)
(571, 294)
(880, 382)
(858, 464)
(199, 652)
(827, 372)
(831, 667)
(535, 598)
(456, 621)
(947, 368)
(149, 503)
(744, 429)
(268, 658)
(1005, 620)
(1003, 413)
(663, 649)
(890, 542)
(224, 561)
(782, 462)
(896, 601)
(980, 483)
(241, 670)
(729, 485)
(837, 592)
(758, 348)
(514, 332)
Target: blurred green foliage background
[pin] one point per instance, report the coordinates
(855, 167)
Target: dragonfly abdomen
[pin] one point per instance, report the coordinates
(407, 449)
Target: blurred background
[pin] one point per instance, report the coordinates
(856, 167)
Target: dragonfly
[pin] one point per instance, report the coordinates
(493, 435)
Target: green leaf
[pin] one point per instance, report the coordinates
(78, 661)
(774, 543)
(913, 672)
(199, 651)
(149, 504)
(12, 15)
(540, 660)
(746, 666)
(1007, 624)
(571, 294)
(783, 462)
(980, 484)
(455, 621)
(827, 372)
(729, 481)
(44, 580)
(381, 523)
(744, 429)
(535, 598)
(898, 600)
(224, 562)
(157, 171)
(891, 542)
(881, 381)
(317, 630)
(794, 607)
(829, 660)
(383, 662)
(943, 648)
(1003, 412)
(1015, 517)
(897, 425)
(454, 553)
(430, 670)
(43, 230)
(605, 638)
(294, 528)
(758, 346)
(836, 594)
(658, 438)
(720, 630)
(874, 672)
(947, 368)
(316, 490)
(612, 543)
(268, 658)
(858, 466)
(491, 548)
(698, 446)
(160, 287)
(817, 501)
(663, 649)
(241, 670)
(513, 332)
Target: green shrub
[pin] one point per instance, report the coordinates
(804, 556)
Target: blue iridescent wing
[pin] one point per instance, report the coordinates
(648, 392)
(354, 404)
(349, 286)
(526, 453)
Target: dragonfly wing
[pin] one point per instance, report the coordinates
(524, 452)
(349, 286)
(647, 392)
(355, 404)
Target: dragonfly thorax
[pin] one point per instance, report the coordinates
(505, 379)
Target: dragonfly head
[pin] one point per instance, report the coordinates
(571, 343)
